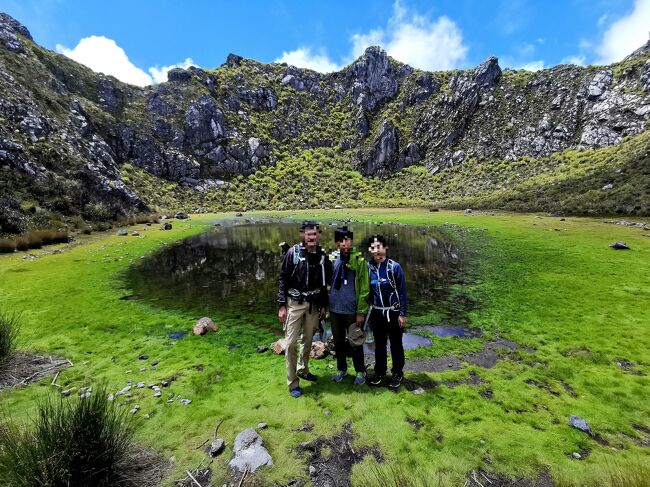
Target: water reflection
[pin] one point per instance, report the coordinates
(235, 267)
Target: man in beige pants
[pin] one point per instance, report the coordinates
(302, 300)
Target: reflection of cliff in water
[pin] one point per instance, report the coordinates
(234, 267)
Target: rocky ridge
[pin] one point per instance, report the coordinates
(67, 132)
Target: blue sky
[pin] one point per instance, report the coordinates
(137, 41)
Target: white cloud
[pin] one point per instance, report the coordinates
(416, 40)
(159, 75)
(408, 37)
(103, 55)
(626, 34)
(303, 57)
(577, 60)
(602, 19)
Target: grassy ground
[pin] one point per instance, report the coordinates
(575, 306)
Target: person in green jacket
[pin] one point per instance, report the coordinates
(348, 300)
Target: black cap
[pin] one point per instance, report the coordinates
(309, 224)
(342, 233)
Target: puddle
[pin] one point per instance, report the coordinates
(450, 331)
(177, 335)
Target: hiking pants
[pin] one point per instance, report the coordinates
(300, 322)
(340, 325)
(384, 329)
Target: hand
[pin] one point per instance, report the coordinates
(361, 321)
(402, 321)
(282, 314)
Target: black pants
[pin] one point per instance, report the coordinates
(384, 329)
(340, 324)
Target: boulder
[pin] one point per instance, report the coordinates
(203, 326)
(318, 350)
(579, 423)
(279, 347)
(216, 447)
(181, 216)
(166, 226)
(249, 452)
(122, 232)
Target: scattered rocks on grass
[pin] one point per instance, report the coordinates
(619, 246)
(249, 452)
(203, 326)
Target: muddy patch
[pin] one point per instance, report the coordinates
(331, 459)
(147, 467)
(433, 364)
(629, 367)
(22, 368)
(481, 478)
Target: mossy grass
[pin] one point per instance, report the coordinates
(574, 306)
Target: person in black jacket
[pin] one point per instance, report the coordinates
(302, 300)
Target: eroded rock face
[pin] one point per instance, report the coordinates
(205, 124)
(372, 78)
(10, 28)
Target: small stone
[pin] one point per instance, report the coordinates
(619, 246)
(262, 426)
(328, 413)
(135, 409)
(111, 397)
(143, 369)
(152, 386)
(216, 447)
(165, 383)
(203, 326)
(262, 348)
(313, 471)
(143, 357)
(66, 392)
(186, 402)
(154, 363)
(158, 393)
(418, 391)
(468, 211)
(169, 401)
(140, 385)
(147, 416)
(580, 423)
(576, 455)
(122, 233)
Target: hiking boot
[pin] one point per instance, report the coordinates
(376, 380)
(338, 377)
(295, 392)
(308, 376)
(396, 381)
(360, 379)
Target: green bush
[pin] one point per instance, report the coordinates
(72, 442)
(9, 327)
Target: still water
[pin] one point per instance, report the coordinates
(234, 267)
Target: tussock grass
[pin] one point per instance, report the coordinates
(72, 442)
(9, 328)
(34, 239)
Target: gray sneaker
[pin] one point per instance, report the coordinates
(338, 377)
(360, 379)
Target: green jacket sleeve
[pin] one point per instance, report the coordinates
(361, 282)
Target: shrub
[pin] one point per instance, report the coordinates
(9, 327)
(72, 442)
(7, 245)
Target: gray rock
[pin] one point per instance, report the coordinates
(205, 124)
(249, 452)
(261, 426)
(122, 232)
(580, 423)
(262, 348)
(216, 447)
(599, 84)
(487, 73)
(372, 78)
(619, 246)
(233, 60)
(166, 226)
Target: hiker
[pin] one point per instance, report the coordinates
(348, 304)
(388, 311)
(302, 300)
